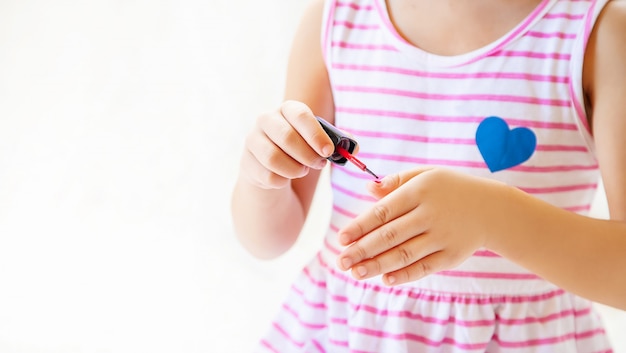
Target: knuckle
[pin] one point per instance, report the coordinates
(273, 181)
(284, 136)
(295, 110)
(423, 269)
(381, 212)
(405, 255)
(389, 236)
(377, 267)
(273, 156)
(360, 252)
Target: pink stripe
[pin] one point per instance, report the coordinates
(545, 319)
(549, 340)
(320, 284)
(363, 46)
(578, 106)
(589, 22)
(453, 119)
(354, 173)
(485, 253)
(561, 35)
(406, 137)
(344, 211)
(409, 292)
(318, 346)
(352, 193)
(556, 16)
(424, 161)
(475, 164)
(548, 169)
(343, 344)
(296, 316)
(468, 164)
(472, 323)
(269, 346)
(490, 275)
(300, 293)
(463, 97)
(581, 208)
(339, 321)
(534, 55)
(443, 75)
(555, 189)
(455, 141)
(419, 317)
(351, 25)
(562, 148)
(355, 6)
(418, 338)
(286, 334)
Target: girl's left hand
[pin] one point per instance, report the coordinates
(426, 220)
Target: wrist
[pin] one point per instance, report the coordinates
(505, 218)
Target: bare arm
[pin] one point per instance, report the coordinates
(585, 256)
(284, 152)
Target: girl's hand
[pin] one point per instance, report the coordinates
(426, 220)
(284, 145)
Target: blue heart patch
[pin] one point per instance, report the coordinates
(502, 147)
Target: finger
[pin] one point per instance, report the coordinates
(302, 119)
(382, 187)
(396, 258)
(273, 158)
(259, 175)
(285, 137)
(397, 234)
(428, 265)
(394, 205)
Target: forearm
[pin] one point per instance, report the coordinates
(266, 221)
(581, 254)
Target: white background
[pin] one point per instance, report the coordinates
(121, 123)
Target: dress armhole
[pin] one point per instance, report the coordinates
(576, 71)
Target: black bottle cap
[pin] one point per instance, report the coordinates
(339, 139)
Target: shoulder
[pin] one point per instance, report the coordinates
(604, 66)
(610, 29)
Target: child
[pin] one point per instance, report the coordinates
(492, 121)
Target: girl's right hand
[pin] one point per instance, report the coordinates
(284, 145)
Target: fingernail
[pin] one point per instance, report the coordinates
(328, 150)
(346, 263)
(344, 239)
(361, 270)
(391, 280)
(320, 164)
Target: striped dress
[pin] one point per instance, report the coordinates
(511, 111)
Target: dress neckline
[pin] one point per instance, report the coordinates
(426, 57)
